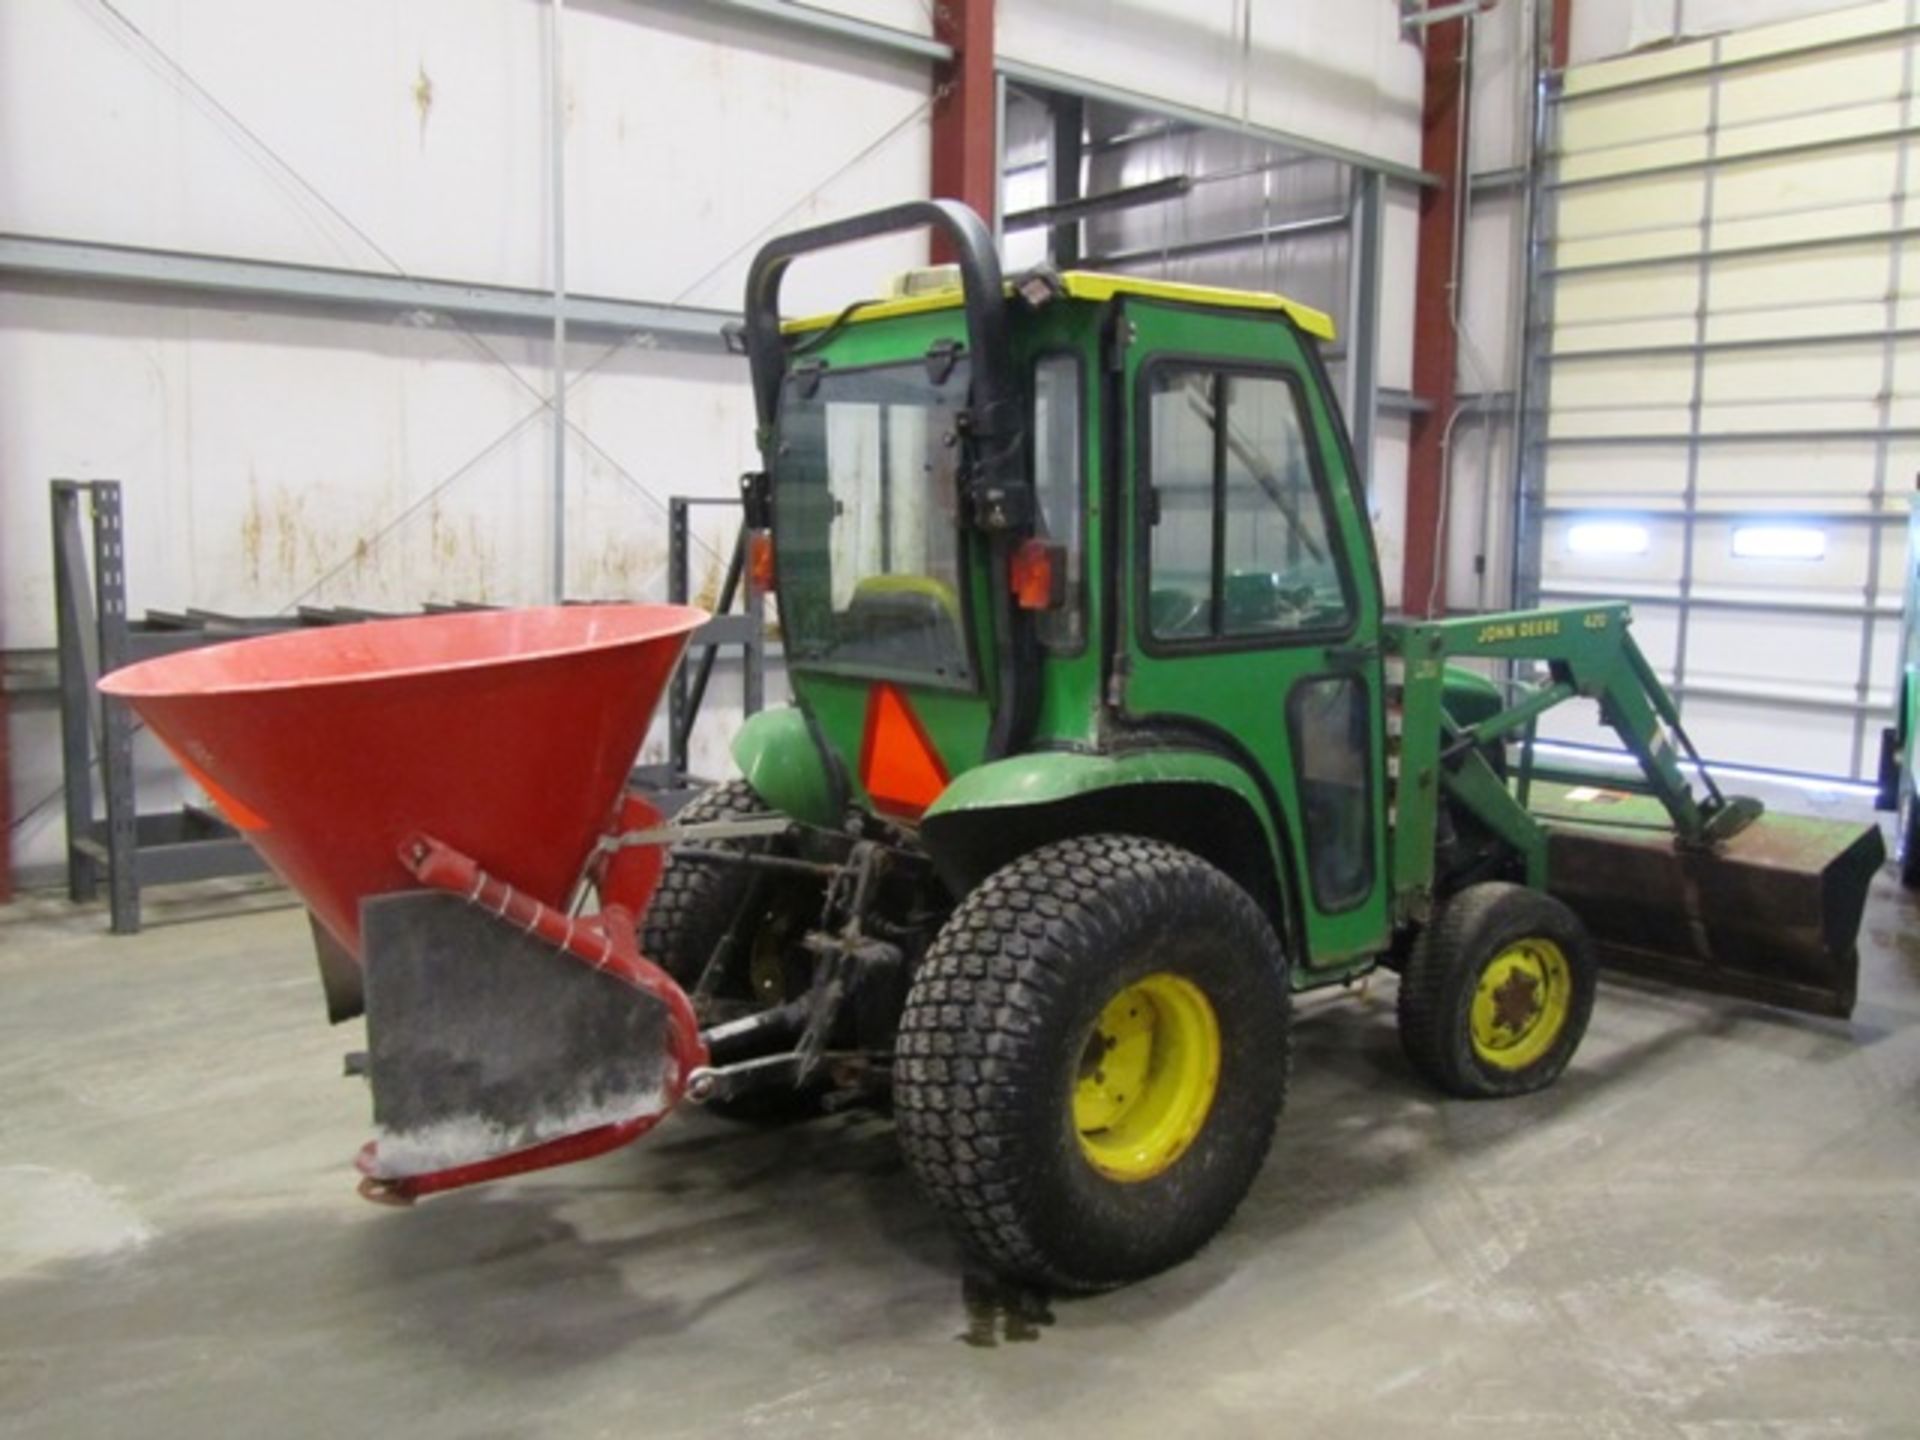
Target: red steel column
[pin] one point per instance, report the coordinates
(965, 165)
(1435, 348)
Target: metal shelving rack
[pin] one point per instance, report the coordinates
(129, 850)
(672, 782)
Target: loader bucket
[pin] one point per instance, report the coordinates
(1770, 914)
(434, 789)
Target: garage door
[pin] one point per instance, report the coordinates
(1731, 373)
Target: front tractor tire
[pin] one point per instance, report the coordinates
(697, 903)
(1091, 1061)
(1496, 995)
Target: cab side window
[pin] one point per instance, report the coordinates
(1241, 538)
(1057, 428)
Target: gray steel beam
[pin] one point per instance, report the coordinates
(1363, 301)
(45, 258)
(78, 635)
(1415, 18)
(1513, 177)
(1071, 211)
(1040, 77)
(31, 671)
(1285, 230)
(829, 23)
(1066, 152)
(1534, 381)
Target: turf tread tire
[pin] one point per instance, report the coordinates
(696, 902)
(692, 908)
(1440, 974)
(991, 1036)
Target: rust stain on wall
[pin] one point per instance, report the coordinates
(613, 563)
(280, 546)
(252, 528)
(423, 97)
(707, 595)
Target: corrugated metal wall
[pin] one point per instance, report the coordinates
(1732, 383)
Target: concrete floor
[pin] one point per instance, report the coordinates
(1711, 1227)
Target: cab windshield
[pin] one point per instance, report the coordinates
(866, 532)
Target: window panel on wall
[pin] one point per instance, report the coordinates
(1217, 233)
(1026, 181)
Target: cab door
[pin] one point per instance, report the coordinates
(1248, 615)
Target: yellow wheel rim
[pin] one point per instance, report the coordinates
(1148, 1073)
(1520, 1004)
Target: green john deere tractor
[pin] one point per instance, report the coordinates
(1102, 747)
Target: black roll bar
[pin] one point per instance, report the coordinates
(999, 494)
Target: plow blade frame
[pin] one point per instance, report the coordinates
(1768, 914)
(491, 1052)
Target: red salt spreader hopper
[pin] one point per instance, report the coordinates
(442, 791)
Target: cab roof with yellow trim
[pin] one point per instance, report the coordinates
(1084, 285)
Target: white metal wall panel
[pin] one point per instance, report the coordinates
(1735, 296)
(1339, 74)
(278, 454)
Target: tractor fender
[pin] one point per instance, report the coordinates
(782, 758)
(1199, 801)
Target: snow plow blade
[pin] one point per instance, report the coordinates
(491, 1052)
(1770, 913)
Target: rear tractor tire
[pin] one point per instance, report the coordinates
(1091, 1061)
(1497, 992)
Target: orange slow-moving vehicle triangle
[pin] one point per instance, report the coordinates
(899, 767)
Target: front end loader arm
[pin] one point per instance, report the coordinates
(1721, 896)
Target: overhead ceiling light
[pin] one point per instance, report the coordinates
(1608, 537)
(1779, 542)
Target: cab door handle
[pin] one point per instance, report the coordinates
(1352, 657)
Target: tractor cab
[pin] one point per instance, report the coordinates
(1016, 551)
